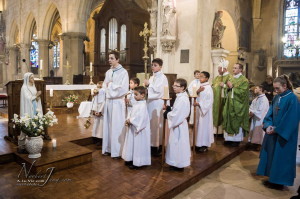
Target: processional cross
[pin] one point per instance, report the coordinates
(146, 33)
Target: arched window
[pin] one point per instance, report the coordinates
(102, 45)
(56, 54)
(291, 38)
(34, 51)
(113, 37)
(123, 43)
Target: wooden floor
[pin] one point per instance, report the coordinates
(104, 177)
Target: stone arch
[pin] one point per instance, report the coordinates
(51, 13)
(30, 22)
(230, 38)
(14, 33)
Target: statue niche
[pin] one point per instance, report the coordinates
(217, 31)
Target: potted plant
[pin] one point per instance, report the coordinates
(34, 127)
(71, 100)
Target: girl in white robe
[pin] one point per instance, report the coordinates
(178, 151)
(205, 129)
(257, 111)
(97, 108)
(30, 103)
(195, 84)
(137, 153)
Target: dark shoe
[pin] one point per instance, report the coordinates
(235, 144)
(203, 149)
(172, 168)
(227, 143)
(116, 158)
(128, 163)
(271, 185)
(295, 197)
(22, 151)
(106, 154)
(133, 167)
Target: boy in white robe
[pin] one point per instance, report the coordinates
(178, 153)
(136, 152)
(97, 108)
(130, 102)
(205, 129)
(116, 84)
(195, 84)
(257, 112)
(155, 103)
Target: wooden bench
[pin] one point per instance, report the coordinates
(3, 99)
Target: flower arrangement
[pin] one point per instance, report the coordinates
(36, 125)
(71, 98)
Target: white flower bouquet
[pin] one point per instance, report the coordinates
(36, 125)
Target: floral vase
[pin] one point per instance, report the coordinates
(34, 146)
(70, 104)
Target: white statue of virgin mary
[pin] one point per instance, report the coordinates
(30, 103)
(30, 98)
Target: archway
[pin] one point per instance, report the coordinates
(230, 39)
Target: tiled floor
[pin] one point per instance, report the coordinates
(237, 180)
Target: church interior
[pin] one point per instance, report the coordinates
(66, 46)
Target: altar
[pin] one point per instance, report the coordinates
(83, 91)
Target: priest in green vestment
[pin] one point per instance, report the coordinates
(220, 93)
(236, 109)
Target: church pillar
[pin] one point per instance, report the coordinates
(3, 71)
(73, 53)
(44, 55)
(12, 65)
(217, 55)
(25, 50)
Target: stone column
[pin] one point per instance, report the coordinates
(168, 47)
(73, 52)
(44, 55)
(217, 55)
(2, 71)
(11, 67)
(25, 54)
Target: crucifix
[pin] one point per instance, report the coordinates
(67, 76)
(146, 33)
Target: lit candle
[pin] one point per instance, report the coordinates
(151, 58)
(91, 67)
(54, 143)
(166, 93)
(51, 92)
(194, 94)
(41, 64)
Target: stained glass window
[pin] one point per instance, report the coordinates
(34, 52)
(56, 55)
(291, 29)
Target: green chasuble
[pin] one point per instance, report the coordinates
(219, 98)
(236, 109)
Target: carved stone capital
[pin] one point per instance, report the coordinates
(153, 43)
(73, 35)
(43, 42)
(168, 43)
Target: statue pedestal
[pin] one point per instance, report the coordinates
(217, 55)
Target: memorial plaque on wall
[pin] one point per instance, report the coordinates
(184, 56)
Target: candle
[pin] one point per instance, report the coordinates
(194, 94)
(92, 91)
(151, 58)
(166, 93)
(67, 63)
(41, 64)
(51, 92)
(54, 143)
(91, 67)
